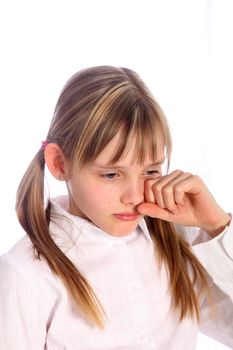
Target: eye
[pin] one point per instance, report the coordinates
(152, 172)
(109, 176)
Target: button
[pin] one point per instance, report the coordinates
(119, 246)
(135, 290)
(146, 339)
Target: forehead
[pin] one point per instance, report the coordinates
(130, 152)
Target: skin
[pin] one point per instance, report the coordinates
(183, 198)
(116, 196)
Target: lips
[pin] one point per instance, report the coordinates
(127, 216)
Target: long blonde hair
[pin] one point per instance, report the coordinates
(93, 106)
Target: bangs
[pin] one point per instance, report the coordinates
(141, 125)
(144, 134)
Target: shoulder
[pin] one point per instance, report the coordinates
(29, 295)
(22, 272)
(21, 258)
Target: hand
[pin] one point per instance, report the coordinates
(183, 198)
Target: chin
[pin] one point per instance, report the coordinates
(121, 232)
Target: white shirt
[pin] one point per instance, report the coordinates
(37, 313)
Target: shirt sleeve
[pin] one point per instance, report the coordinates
(24, 308)
(216, 255)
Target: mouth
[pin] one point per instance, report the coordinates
(127, 216)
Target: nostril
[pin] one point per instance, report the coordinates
(133, 198)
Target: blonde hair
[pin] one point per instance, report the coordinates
(94, 105)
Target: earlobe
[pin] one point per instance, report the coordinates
(55, 161)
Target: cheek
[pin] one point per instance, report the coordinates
(98, 195)
(111, 193)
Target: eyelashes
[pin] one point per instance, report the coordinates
(114, 175)
(153, 172)
(109, 176)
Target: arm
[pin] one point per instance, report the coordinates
(183, 199)
(216, 255)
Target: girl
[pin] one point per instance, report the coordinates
(105, 267)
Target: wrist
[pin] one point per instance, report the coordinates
(219, 225)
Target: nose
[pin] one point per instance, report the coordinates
(133, 193)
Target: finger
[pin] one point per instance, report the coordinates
(148, 191)
(173, 193)
(181, 188)
(191, 185)
(154, 211)
(153, 188)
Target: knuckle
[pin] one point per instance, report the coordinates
(178, 172)
(196, 178)
(167, 190)
(178, 192)
(156, 189)
(178, 188)
(149, 183)
(188, 174)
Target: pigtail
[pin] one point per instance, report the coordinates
(33, 217)
(181, 264)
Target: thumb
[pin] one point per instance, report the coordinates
(152, 209)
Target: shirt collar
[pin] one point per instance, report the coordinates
(74, 225)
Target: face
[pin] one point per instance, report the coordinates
(108, 194)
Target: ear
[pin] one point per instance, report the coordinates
(56, 162)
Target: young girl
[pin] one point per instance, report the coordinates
(108, 266)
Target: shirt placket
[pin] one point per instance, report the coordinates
(136, 298)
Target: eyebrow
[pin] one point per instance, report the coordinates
(118, 166)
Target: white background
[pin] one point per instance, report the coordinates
(183, 49)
